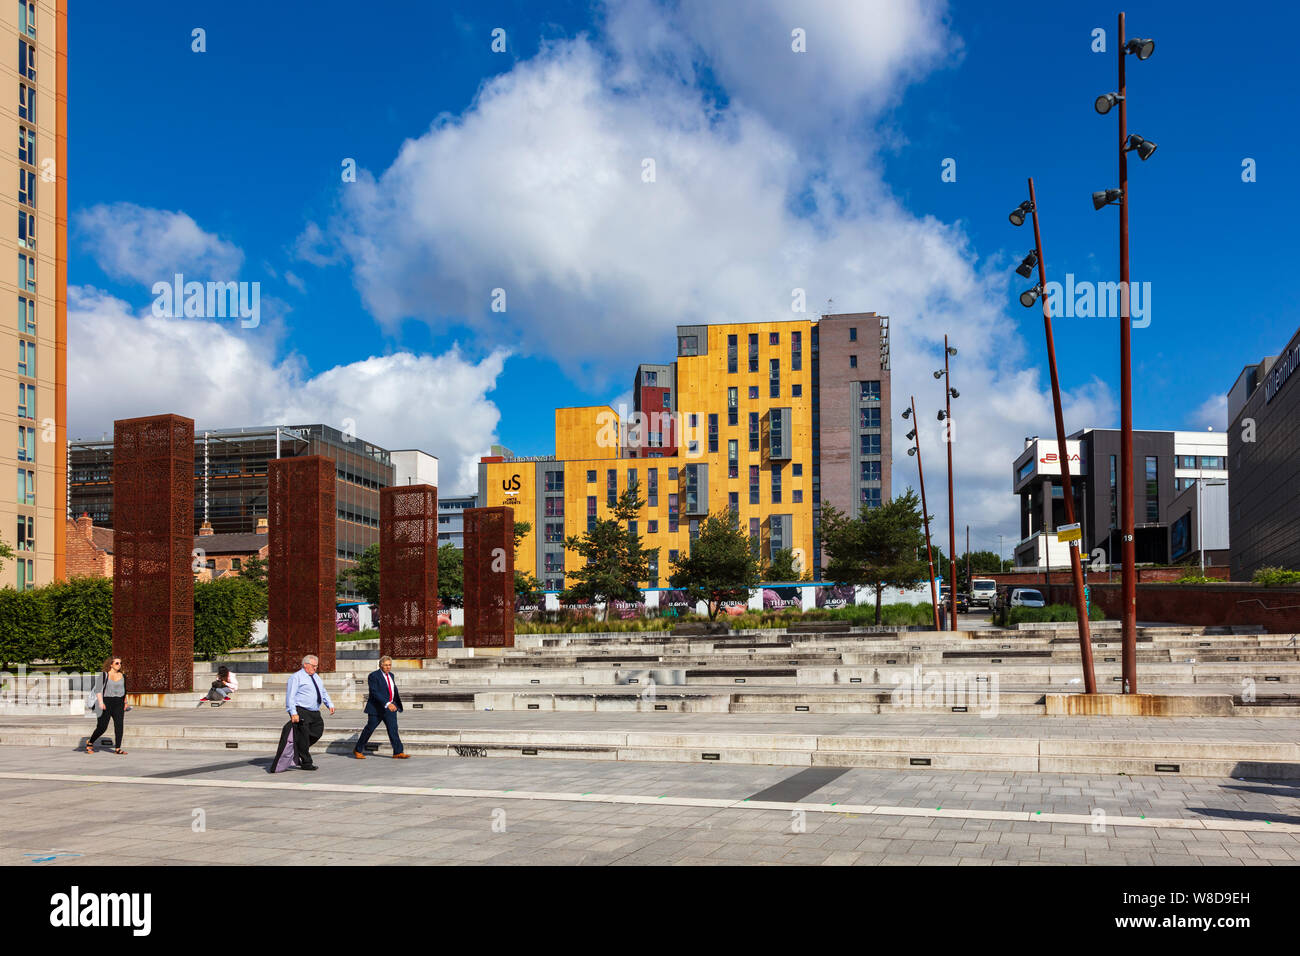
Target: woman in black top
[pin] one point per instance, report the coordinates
(112, 703)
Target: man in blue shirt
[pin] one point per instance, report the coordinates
(303, 699)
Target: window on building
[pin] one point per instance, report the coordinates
(27, 187)
(853, 361)
(672, 475)
(796, 352)
(27, 17)
(871, 471)
(652, 487)
(774, 378)
(26, 272)
(650, 378)
(632, 482)
(26, 400)
(733, 502)
(26, 229)
(753, 484)
(753, 392)
(869, 417)
(672, 514)
(26, 358)
(672, 556)
(554, 481)
(26, 316)
(1212, 462)
(688, 345)
(26, 574)
(733, 458)
(554, 532)
(796, 495)
(26, 60)
(1153, 489)
(236, 564)
(26, 145)
(733, 405)
(870, 391)
(796, 469)
(753, 353)
(554, 507)
(632, 528)
(776, 436)
(731, 354)
(591, 477)
(755, 536)
(694, 530)
(870, 444)
(26, 486)
(776, 484)
(611, 487)
(27, 102)
(553, 562)
(796, 390)
(753, 431)
(871, 497)
(26, 533)
(668, 399)
(26, 443)
(713, 433)
(591, 512)
(652, 527)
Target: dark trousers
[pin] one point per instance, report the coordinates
(114, 707)
(309, 729)
(389, 717)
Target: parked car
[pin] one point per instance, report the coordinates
(1027, 597)
(963, 602)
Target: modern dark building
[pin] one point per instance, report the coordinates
(230, 480)
(1264, 461)
(1166, 465)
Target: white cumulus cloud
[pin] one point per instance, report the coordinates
(131, 242)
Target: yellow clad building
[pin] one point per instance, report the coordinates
(746, 419)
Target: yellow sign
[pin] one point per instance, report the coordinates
(1069, 532)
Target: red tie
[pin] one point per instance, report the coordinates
(390, 688)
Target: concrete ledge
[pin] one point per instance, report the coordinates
(1138, 705)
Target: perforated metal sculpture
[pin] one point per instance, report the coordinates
(153, 541)
(408, 571)
(300, 506)
(490, 577)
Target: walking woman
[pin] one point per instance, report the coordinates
(112, 703)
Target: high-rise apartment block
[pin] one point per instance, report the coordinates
(766, 420)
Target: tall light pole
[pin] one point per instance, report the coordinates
(915, 435)
(1142, 49)
(1062, 449)
(949, 393)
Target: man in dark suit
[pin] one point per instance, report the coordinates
(383, 703)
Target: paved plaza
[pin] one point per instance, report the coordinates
(185, 807)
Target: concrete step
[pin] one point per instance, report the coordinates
(1047, 755)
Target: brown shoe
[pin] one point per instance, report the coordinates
(359, 755)
(401, 756)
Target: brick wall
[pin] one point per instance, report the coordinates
(1031, 579)
(1277, 609)
(84, 559)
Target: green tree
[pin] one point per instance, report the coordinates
(614, 563)
(255, 571)
(719, 568)
(363, 577)
(784, 567)
(6, 554)
(451, 577)
(877, 549)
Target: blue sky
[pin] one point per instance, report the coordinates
(831, 160)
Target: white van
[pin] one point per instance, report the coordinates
(1027, 597)
(983, 592)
